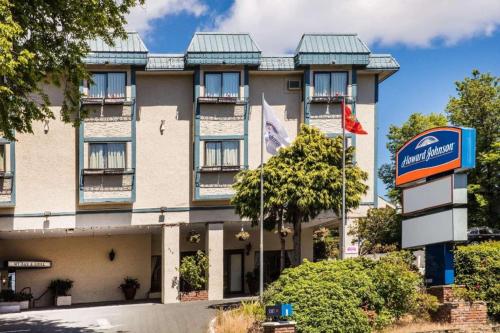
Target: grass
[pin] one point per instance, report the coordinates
(240, 320)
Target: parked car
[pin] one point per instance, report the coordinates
(481, 234)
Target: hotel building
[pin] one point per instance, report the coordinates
(155, 156)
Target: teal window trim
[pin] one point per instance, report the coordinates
(246, 97)
(108, 139)
(331, 73)
(196, 106)
(375, 158)
(133, 91)
(306, 89)
(221, 151)
(221, 137)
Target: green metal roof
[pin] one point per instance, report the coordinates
(165, 62)
(277, 63)
(382, 61)
(222, 42)
(128, 51)
(327, 49)
(215, 48)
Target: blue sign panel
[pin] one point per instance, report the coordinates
(286, 310)
(435, 151)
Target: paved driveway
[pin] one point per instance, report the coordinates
(190, 317)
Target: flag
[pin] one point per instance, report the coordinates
(351, 124)
(275, 134)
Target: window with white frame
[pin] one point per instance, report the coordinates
(225, 84)
(107, 155)
(330, 84)
(107, 85)
(222, 153)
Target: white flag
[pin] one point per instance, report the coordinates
(275, 134)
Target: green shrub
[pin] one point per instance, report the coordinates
(193, 270)
(478, 268)
(60, 287)
(353, 295)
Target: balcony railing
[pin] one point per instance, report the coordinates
(329, 99)
(6, 182)
(108, 109)
(222, 100)
(221, 168)
(110, 179)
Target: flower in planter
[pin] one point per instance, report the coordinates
(60, 287)
(194, 237)
(285, 231)
(129, 287)
(242, 235)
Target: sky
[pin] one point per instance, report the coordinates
(436, 42)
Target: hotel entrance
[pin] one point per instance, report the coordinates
(234, 267)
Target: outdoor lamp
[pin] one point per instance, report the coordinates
(111, 255)
(46, 126)
(162, 127)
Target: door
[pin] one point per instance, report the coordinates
(233, 272)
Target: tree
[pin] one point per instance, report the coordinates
(397, 136)
(379, 231)
(301, 181)
(44, 42)
(477, 105)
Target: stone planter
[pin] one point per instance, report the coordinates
(63, 300)
(25, 305)
(9, 307)
(129, 293)
(200, 295)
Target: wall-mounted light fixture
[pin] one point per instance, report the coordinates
(46, 126)
(162, 127)
(161, 218)
(46, 214)
(111, 255)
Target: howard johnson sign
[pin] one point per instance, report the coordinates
(435, 151)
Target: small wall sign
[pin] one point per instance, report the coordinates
(29, 264)
(435, 151)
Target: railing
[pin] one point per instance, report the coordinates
(221, 168)
(329, 99)
(222, 100)
(6, 179)
(109, 179)
(104, 113)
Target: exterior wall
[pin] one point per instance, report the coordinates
(85, 261)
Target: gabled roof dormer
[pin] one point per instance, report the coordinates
(217, 48)
(128, 51)
(331, 49)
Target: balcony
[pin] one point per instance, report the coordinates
(215, 182)
(329, 100)
(108, 117)
(107, 185)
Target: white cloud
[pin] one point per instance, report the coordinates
(277, 25)
(141, 17)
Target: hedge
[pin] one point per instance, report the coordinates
(478, 268)
(353, 295)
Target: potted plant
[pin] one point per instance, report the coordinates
(285, 231)
(60, 290)
(194, 237)
(193, 273)
(242, 235)
(129, 287)
(23, 299)
(253, 281)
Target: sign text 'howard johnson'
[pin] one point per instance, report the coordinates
(435, 151)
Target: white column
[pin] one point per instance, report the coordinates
(170, 254)
(307, 244)
(215, 250)
(350, 250)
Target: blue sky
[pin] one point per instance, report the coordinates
(435, 44)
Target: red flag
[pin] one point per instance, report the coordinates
(351, 123)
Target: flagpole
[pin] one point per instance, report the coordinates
(342, 251)
(261, 224)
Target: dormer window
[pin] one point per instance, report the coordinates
(107, 85)
(330, 84)
(225, 84)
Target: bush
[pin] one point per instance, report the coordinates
(193, 270)
(353, 295)
(478, 269)
(60, 287)
(130, 282)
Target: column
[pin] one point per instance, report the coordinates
(170, 255)
(215, 250)
(350, 249)
(307, 244)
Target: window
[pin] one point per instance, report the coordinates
(330, 84)
(222, 84)
(2, 158)
(107, 156)
(107, 85)
(222, 153)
